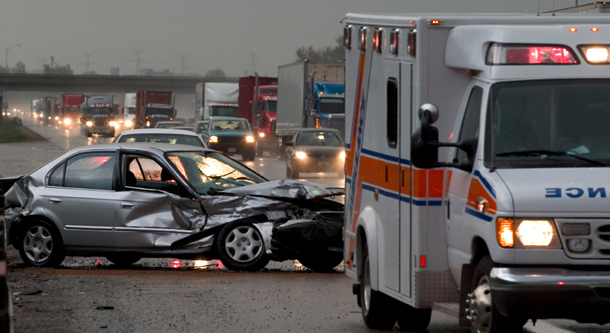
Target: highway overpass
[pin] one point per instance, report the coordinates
(102, 83)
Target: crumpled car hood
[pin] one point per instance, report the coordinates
(287, 189)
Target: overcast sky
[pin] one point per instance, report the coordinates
(208, 34)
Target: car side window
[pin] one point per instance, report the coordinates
(89, 170)
(144, 172)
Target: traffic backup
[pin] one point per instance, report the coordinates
(509, 217)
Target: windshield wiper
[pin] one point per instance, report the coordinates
(544, 152)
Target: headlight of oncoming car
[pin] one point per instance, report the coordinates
(342, 155)
(115, 124)
(67, 121)
(213, 139)
(250, 139)
(300, 154)
(89, 123)
(128, 123)
(538, 233)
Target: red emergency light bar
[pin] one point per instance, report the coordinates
(527, 54)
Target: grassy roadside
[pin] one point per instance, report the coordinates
(11, 130)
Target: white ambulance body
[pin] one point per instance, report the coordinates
(519, 227)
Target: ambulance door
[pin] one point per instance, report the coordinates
(465, 187)
(389, 194)
(404, 133)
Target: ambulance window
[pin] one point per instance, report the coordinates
(470, 125)
(392, 112)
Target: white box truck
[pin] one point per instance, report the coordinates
(129, 110)
(478, 168)
(216, 99)
(309, 94)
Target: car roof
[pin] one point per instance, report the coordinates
(228, 118)
(156, 148)
(318, 130)
(158, 131)
(170, 122)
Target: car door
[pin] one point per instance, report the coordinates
(80, 199)
(154, 210)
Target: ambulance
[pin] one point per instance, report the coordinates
(478, 168)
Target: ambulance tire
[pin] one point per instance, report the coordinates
(412, 319)
(379, 311)
(496, 322)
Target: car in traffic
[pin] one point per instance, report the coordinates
(130, 201)
(315, 150)
(168, 124)
(230, 135)
(154, 135)
(202, 126)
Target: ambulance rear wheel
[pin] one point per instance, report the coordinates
(412, 319)
(378, 310)
(482, 313)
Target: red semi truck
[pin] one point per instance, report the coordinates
(70, 108)
(258, 104)
(152, 107)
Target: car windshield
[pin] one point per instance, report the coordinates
(212, 170)
(319, 138)
(162, 138)
(230, 125)
(332, 105)
(549, 124)
(159, 112)
(223, 111)
(99, 111)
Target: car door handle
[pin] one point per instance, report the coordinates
(55, 200)
(126, 205)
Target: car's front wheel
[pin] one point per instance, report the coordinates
(241, 247)
(41, 244)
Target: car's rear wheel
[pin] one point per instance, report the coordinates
(321, 262)
(41, 244)
(241, 247)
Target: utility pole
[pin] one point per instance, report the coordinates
(253, 57)
(183, 66)
(88, 55)
(6, 55)
(138, 59)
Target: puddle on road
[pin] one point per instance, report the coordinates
(179, 264)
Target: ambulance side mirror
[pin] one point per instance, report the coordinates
(425, 141)
(425, 144)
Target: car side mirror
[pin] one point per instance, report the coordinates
(290, 144)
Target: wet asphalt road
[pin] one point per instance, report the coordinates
(163, 295)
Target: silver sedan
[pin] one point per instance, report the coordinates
(129, 201)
